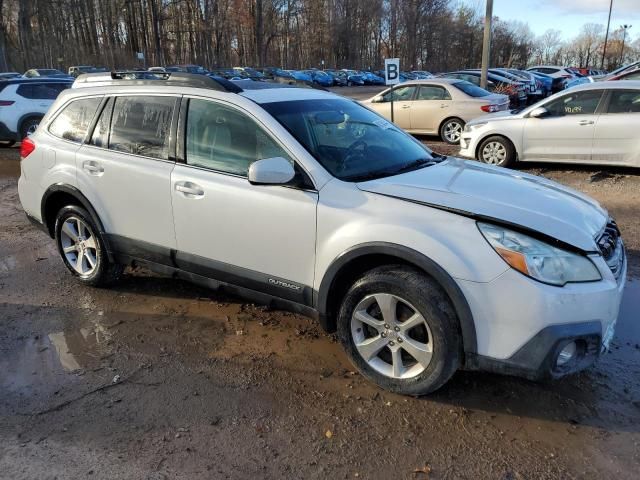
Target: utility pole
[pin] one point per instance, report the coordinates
(486, 44)
(606, 36)
(625, 27)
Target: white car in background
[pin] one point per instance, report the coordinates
(591, 123)
(436, 106)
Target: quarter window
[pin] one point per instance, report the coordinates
(624, 101)
(225, 140)
(431, 92)
(73, 122)
(141, 126)
(578, 103)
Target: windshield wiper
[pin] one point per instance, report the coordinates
(414, 165)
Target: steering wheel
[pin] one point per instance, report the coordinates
(352, 153)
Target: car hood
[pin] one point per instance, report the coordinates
(502, 195)
(501, 115)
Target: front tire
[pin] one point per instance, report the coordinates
(83, 249)
(400, 330)
(498, 151)
(451, 131)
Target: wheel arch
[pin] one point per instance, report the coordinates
(450, 117)
(60, 195)
(354, 262)
(28, 116)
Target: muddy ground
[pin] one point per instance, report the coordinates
(157, 378)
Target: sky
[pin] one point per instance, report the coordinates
(568, 16)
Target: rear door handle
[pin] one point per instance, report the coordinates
(189, 190)
(586, 122)
(93, 168)
(406, 106)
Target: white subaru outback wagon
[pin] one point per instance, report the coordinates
(307, 200)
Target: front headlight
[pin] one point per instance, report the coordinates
(468, 128)
(539, 260)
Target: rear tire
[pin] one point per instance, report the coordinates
(498, 151)
(400, 330)
(451, 131)
(83, 249)
(29, 126)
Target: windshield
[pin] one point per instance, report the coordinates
(471, 90)
(350, 141)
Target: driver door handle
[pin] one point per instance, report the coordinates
(586, 122)
(406, 106)
(189, 190)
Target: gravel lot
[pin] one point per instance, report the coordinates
(157, 379)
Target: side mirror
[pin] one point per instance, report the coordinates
(377, 99)
(539, 112)
(271, 171)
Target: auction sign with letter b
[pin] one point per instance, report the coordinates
(391, 71)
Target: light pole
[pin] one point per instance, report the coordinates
(624, 37)
(606, 37)
(486, 44)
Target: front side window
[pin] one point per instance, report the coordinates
(400, 94)
(624, 101)
(140, 125)
(350, 141)
(432, 92)
(74, 120)
(576, 103)
(226, 140)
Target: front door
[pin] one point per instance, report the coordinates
(566, 133)
(255, 236)
(403, 101)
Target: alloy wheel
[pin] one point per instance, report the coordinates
(79, 246)
(392, 336)
(452, 132)
(494, 153)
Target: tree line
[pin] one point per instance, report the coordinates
(435, 35)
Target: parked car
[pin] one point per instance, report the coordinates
(633, 74)
(9, 75)
(436, 106)
(340, 78)
(23, 103)
(497, 84)
(250, 73)
(422, 74)
(533, 86)
(554, 71)
(371, 78)
(423, 264)
(300, 76)
(46, 72)
(550, 85)
(594, 123)
(278, 75)
(320, 78)
(80, 69)
(187, 68)
(157, 69)
(353, 78)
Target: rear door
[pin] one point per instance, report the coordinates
(431, 105)
(125, 172)
(566, 134)
(616, 139)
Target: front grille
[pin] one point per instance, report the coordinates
(612, 248)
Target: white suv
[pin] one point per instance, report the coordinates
(308, 200)
(23, 103)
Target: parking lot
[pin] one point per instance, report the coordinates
(156, 378)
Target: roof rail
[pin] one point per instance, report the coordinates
(137, 77)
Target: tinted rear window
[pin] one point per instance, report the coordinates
(141, 125)
(41, 91)
(73, 122)
(471, 90)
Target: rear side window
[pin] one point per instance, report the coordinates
(624, 101)
(471, 90)
(41, 91)
(141, 126)
(432, 92)
(74, 120)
